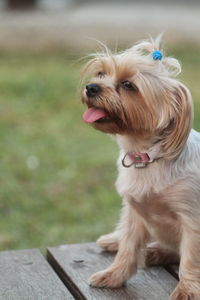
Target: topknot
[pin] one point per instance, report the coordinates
(142, 52)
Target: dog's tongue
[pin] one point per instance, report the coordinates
(93, 114)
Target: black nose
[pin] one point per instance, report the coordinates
(92, 89)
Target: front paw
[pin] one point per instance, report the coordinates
(182, 293)
(107, 278)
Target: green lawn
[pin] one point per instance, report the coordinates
(57, 174)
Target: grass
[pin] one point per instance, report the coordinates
(57, 174)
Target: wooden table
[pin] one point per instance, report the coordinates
(27, 275)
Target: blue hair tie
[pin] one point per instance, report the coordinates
(157, 55)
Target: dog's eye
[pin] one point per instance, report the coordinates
(126, 84)
(101, 74)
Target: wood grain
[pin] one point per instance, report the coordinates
(75, 263)
(26, 275)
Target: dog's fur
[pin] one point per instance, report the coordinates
(161, 202)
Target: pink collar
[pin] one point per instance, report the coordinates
(140, 160)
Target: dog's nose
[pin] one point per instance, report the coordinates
(92, 89)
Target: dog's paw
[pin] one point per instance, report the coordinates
(108, 242)
(106, 279)
(182, 293)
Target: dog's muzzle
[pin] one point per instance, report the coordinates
(92, 89)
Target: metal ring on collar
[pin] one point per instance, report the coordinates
(123, 162)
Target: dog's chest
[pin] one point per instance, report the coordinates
(161, 222)
(137, 182)
(144, 189)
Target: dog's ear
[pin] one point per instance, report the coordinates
(179, 128)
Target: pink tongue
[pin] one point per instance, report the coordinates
(93, 114)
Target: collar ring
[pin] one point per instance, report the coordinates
(123, 161)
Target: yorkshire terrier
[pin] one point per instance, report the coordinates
(135, 97)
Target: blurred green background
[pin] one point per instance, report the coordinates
(57, 174)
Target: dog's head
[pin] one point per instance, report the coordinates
(134, 93)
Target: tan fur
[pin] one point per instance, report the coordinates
(109, 242)
(157, 255)
(161, 202)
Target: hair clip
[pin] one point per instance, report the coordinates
(157, 55)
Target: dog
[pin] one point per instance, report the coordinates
(135, 97)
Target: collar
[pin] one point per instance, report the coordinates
(141, 159)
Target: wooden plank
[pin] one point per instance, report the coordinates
(26, 275)
(75, 263)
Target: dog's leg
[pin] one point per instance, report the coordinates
(157, 255)
(189, 272)
(109, 242)
(133, 235)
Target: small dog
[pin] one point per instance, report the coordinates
(135, 97)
